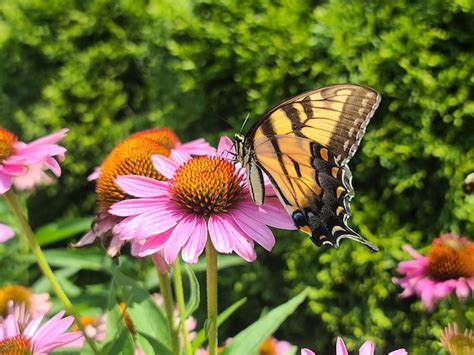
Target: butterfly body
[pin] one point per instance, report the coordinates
(303, 145)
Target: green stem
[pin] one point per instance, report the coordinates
(29, 236)
(165, 286)
(461, 319)
(211, 275)
(178, 287)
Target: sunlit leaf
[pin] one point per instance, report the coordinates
(61, 230)
(201, 336)
(249, 340)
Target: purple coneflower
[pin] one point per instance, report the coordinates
(24, 164)
(448, 268)
(203, 195)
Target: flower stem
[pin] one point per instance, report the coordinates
(29, 236)
(165, 286)
(461, 319)
(211, 276)
(178, 287)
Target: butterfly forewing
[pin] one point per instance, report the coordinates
(303, 145)
(334, 116)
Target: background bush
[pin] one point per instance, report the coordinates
(108, 68)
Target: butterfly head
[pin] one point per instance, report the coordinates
(239, 141)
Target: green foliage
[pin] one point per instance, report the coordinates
(105, 69)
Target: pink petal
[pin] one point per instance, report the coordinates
(254, 230)
(155, 243)
(87, 239)
(413, 253)
(268, 214)
(427, 295)
(6, 233)
(53, 326)
(142, 186)
(368, 348)
(50, 138)
(136, 206)
(196, 243)
(54, 166)
(225, 146)
(115, 246)
(340, 347)
(462, 289)
(243, 246)
(196, 147)
(220, 234)
(158, 221)
(470, 282)
(159, 261)
(398, 352)
(444, 288)
(180, 157)
(164, 166)
(306, 351)
(36, 154)
(5, 182)
(180, 235)
(14, 169)
(10, 326)
(95, 174)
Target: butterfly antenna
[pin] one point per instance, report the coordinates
(222, 118)
(245, 121)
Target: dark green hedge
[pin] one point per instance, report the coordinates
(105, 69)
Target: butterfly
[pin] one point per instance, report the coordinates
(304, 145)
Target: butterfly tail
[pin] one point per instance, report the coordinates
(322, 235)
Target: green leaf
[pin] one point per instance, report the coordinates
(43, 285)
(194, 296)
(201, 336)
(148, 320)
(65, 229)
(89, 259)
(249, 340)
(118, 339)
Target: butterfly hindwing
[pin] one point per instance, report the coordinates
(303, 145)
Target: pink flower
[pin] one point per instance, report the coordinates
(36, 339)
(24, 164)
(94, 328)
(6, 233)
(368, 348)
(131, 156)
(167, 138)
(448, 268)
(35, 304)
(456, 342)
(270, 345)
(204, 195)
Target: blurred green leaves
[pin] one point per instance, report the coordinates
(105, 69)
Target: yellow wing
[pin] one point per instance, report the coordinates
(303, 145)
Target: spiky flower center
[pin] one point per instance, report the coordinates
(17, 294)
(19, 345)
(7, 144)
(163, 136)
(451, 257)
(456, 343)
(131, 157)
(268, 347)
(207, 185)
